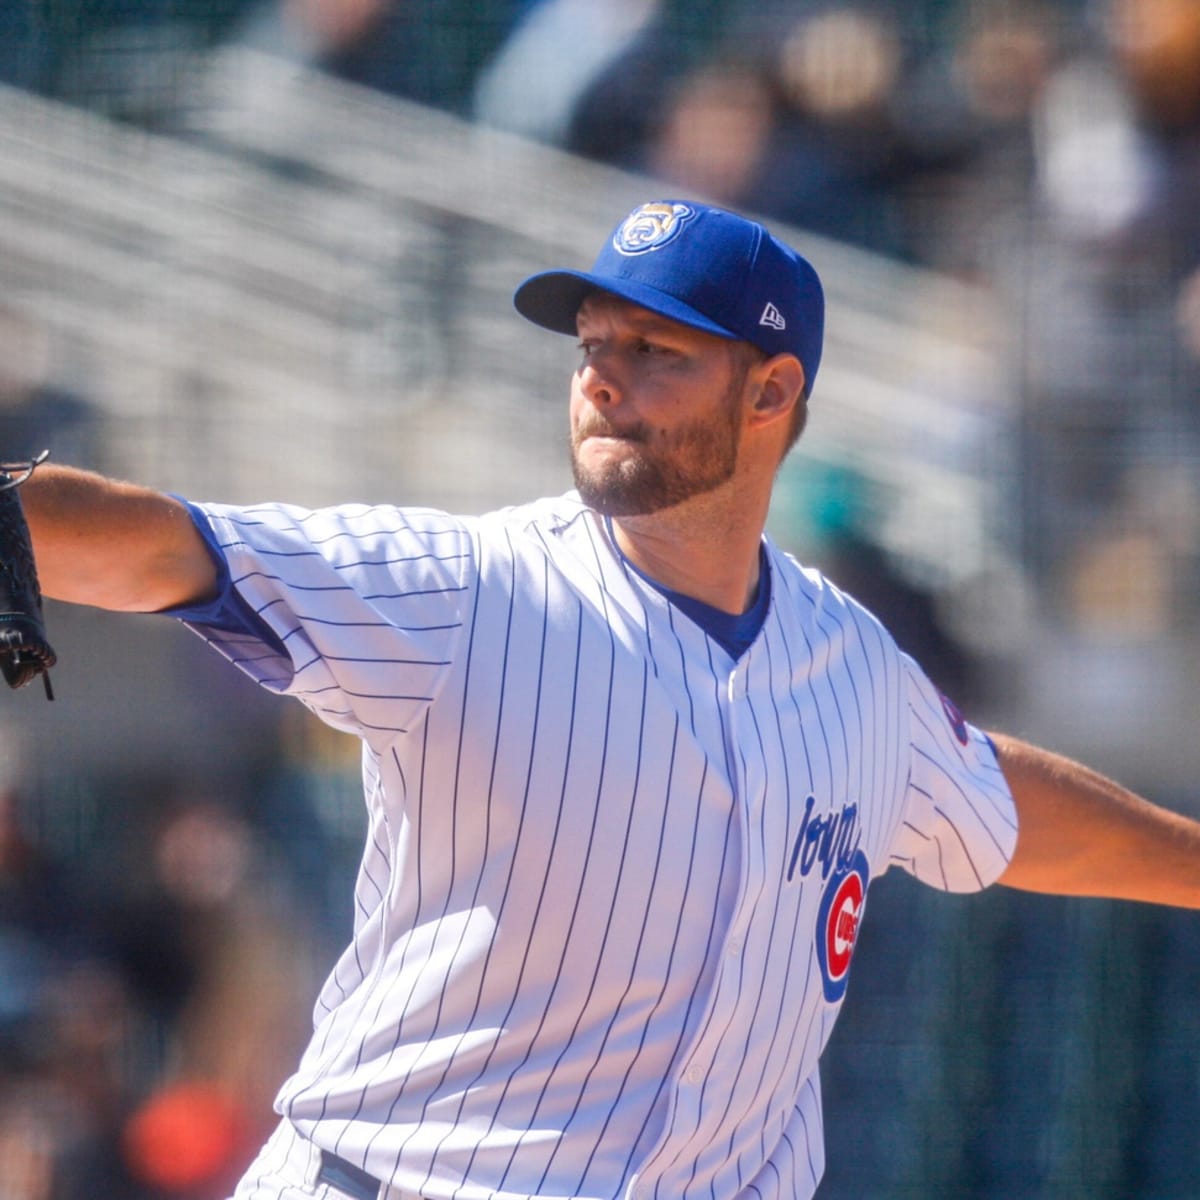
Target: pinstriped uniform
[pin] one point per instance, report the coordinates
(608, 895)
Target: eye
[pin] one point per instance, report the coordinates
(654, 349)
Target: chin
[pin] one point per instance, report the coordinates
(621, 498)
(612, 498)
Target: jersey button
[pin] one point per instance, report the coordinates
(695, 1074)
(734, 946)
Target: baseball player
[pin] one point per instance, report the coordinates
(629, 769)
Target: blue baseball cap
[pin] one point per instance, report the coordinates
(702, 266)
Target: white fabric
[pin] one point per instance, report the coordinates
(605, 909)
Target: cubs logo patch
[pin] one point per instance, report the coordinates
(651, 227)
(838, 921)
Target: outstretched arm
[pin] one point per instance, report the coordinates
(1081, 834)
(113, 545)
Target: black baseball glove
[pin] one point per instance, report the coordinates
(24, 651)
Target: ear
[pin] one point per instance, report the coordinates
(779, 387)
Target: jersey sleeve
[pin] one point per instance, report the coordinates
(959, 825)
(356, 611)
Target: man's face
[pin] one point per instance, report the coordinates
(656, 411)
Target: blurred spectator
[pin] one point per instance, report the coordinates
(972, 105)
(715, 135)
(1156, 44)
(617, 111)
(214, 889)
(236, 908)
(426, 50)
(794, 113)
(1095, 265)
(68, 1028)
(839, 155)
(533, 83)
(88, 1078)
(147, 1001)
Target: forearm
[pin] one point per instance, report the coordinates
(1082, 834)
(113, 545)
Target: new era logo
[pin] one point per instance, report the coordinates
(773, 317)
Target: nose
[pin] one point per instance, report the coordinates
(598, 381)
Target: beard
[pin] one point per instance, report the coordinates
(658, 471)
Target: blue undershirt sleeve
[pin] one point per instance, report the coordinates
(228, 609)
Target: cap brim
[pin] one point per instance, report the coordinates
(552, 300)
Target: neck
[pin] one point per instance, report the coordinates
(708, 551)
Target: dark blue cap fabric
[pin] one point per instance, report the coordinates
(702, 266)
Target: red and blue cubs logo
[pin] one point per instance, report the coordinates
(838, 921)
(651, 227)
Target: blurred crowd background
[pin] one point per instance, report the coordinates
(264, 247)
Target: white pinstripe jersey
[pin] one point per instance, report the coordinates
(612, 877)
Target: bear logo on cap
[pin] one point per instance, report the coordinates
(650, 227)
